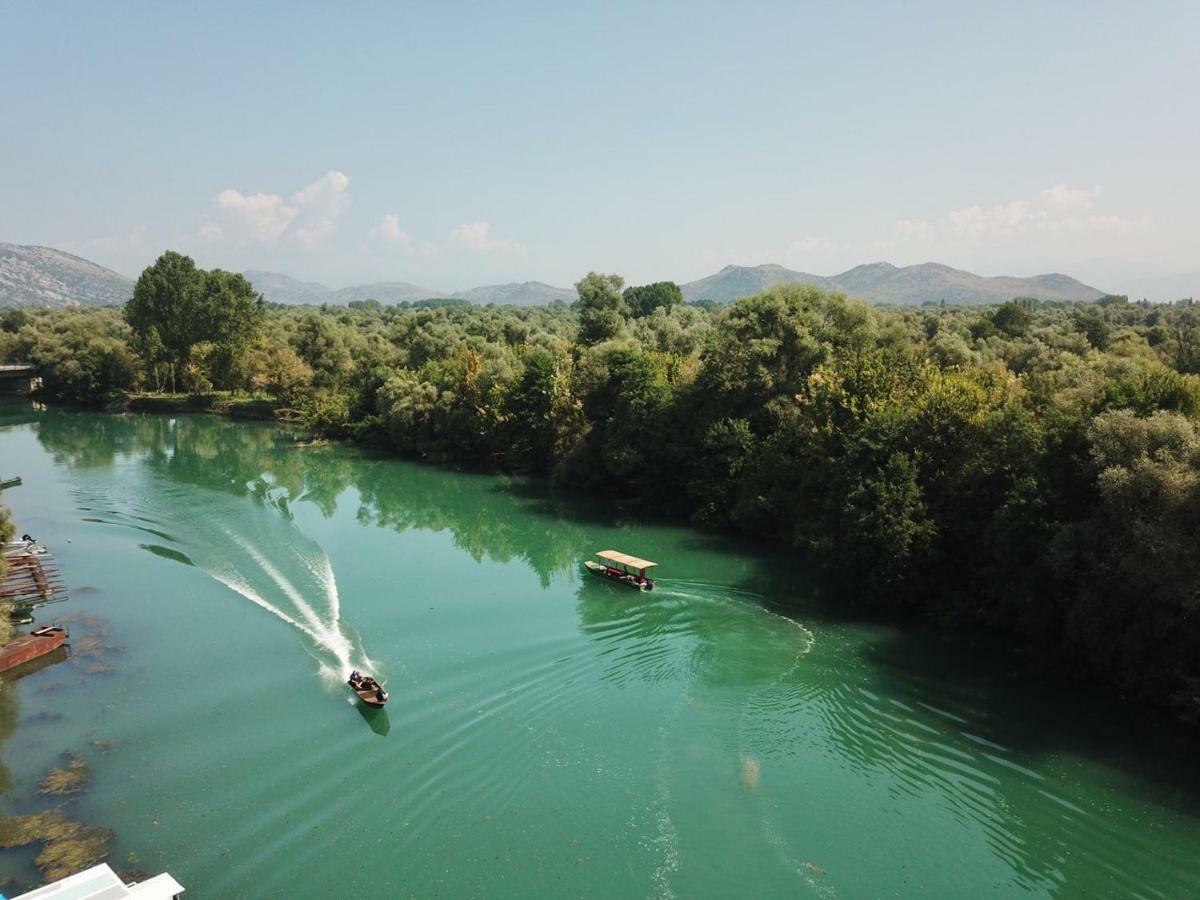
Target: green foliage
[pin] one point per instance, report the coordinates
(1012, 319)
(602, 308)
(643, 300)
(176, 306)
(1032, 466)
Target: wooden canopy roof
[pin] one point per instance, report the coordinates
(625, 559)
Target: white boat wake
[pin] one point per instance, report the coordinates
(256, 551)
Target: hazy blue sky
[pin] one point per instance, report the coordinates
(457, 144)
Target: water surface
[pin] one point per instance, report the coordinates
(547, 735)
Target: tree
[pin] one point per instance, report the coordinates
(644, 299)
(167, 312)
(602, 309)
(176, 306)
(233, 313)
(1012, 318)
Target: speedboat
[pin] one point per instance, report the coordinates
(369, 690)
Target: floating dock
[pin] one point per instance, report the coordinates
(102, 883)
(32, 579)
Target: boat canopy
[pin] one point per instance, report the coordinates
(625, 559)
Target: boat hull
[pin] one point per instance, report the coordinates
(369, 696)
(629, 581)
(30, 646)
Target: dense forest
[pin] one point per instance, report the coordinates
(1032, 467)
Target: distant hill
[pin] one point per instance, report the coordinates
(884, 283)
(386, 292)
(733, 282)
(525, 293)
(41, 276)
(278, 288)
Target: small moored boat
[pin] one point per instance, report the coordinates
(622, 568)
(38, 642)
(369, 690)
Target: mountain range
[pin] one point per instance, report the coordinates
(278, 288)
(41, 276)
(884, 283)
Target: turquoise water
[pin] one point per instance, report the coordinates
(548, 735)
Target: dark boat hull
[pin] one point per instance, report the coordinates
(628, 581)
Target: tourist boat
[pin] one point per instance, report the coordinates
(622, 568)
(38, 642)
(369, 690)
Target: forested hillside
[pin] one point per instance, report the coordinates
(1035, 467)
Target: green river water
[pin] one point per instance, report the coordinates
(549, 735)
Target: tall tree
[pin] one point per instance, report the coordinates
(167, 313)
(234, 313)
(176, 306)
(644, 299)
(602, 309)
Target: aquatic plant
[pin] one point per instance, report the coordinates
(67, 845)
(93, 650)
(70, 780)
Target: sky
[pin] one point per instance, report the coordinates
(457, 144)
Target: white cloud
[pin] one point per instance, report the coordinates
(309, 216)
(478, 236)
(1052, 227)
(248, 218)
(321, 204)
(388, 229)
(1056, 209)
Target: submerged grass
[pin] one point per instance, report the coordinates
(68, 846)
(69, 780)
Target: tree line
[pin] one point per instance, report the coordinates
(1034, 467)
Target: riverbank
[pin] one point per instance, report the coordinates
(224, 404)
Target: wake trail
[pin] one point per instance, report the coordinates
(260, 556)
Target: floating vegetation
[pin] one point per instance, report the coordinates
(102, 744)
(68, 846)
(92, 648)
(70, 780)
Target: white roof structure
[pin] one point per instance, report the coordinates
(625, 559)
(102, 883)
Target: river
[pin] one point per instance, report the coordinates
(548, 735)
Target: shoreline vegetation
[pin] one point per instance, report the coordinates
(1031, 467)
